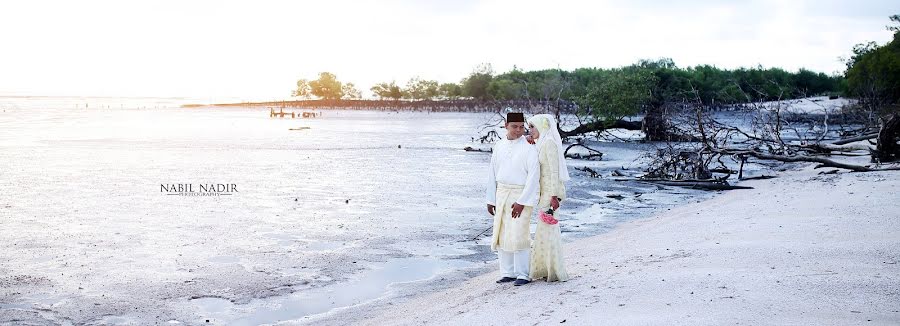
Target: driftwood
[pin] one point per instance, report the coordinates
(593, 173)
(695, 184)
(482, 232)
(723, 171)
(592, 153)
(855, 139)
(470, 149)
(490, 136)
(823, 162)
(600, 125)
(888, 150)
(761, 177)
(829, 148)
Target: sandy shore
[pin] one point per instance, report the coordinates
(801, 249)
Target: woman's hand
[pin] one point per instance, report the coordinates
(529, 139)
(554, 203)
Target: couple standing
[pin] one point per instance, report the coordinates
(523, 176)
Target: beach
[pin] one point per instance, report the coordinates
(384, 222)
(801, 249)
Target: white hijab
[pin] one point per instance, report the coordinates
(546, 126)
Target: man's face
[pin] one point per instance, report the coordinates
(515, 130)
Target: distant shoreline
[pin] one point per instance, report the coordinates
(99, 97)
(463, 105)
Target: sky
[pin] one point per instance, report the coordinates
(256, 50)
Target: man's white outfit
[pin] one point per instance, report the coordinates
(513, 177)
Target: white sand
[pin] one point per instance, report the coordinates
(810, 105)
(802, 249)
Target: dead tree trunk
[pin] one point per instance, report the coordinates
(856, 139)
(887, 149)
(655, 126)
(592, 153)
(696, 184)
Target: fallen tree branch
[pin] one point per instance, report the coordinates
(593, 173)
(811, 159)
(592, 153)
(470, 149)
(600, 125)
(694, 184)
(723, 171)
(760, 177)
(827, 148)
(856, 139)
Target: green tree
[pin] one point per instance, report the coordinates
(503, 89)
(873, 72)
(450, 91)
(419, 89)
(326, 87)
(302, 90)
(388, 90)
(349, 91)
(548, 84)
(476, 84)
(621, 93)
(431, 88)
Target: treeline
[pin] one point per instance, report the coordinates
(660, 77)
(873, 73)
(456, 105)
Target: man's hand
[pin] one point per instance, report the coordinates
(517, 210)
(491, 209)
(554, 203)
(530, 139)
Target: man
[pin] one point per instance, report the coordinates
(512, 191)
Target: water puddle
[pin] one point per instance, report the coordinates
(226, 259)
(321, 245)
(287, 240)
(14, 306)
(370, 285)
(118, 320)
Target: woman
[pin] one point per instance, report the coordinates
(547, 256)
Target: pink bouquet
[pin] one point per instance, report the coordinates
(548, 218)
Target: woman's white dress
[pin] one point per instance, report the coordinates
(547, 254)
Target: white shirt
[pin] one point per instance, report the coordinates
(514, 162)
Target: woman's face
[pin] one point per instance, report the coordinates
(533, 131)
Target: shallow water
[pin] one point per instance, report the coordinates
(321, 218)
(369, 285)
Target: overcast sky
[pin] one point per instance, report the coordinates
(258, 49)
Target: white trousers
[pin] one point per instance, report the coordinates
(515, 263)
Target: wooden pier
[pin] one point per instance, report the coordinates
(282, 114)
